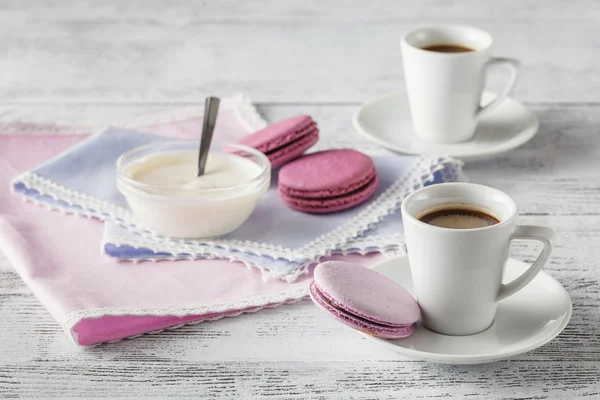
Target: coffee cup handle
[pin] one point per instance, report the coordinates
(529, 232)
(513, 67)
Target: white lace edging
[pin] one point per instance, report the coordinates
(215, 253)
(386, 244)
(246, 112)
(89, 205)
(420, 173)
(391, 245)
(236, 308)
(362, 245)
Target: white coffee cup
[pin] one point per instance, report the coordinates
(444, 89)
(457, 273)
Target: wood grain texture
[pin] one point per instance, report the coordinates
(297, 351)
(113, 51)
(336, 10)
(545, 176)
(89, 62)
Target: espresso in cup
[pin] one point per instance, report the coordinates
(445, 72)
(457, 273)
(447, 48)
(454, 217)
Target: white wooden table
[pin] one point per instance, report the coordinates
(86, 62)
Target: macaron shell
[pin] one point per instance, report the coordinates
(280, 133)
(326, 173)
(331, 204)
(294, 150)
(366, 293)
(387, 332)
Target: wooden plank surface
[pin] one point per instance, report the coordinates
(297, 352)
(545, 176)
(88, 62)
(72, 51)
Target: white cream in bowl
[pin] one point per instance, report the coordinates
(161, 187)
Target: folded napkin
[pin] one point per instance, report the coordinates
(96, 299)
(282, 242)
(283, 253)
(279, 241)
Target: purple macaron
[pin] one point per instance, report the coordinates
(285, 140)
(364, 299)
(328, 181)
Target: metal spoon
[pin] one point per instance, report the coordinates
(210, 118)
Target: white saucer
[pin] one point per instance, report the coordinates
(386, 121)
(524, 321)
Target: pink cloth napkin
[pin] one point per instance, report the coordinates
(96, 299)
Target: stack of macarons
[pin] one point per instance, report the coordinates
(321, 182)
(364, 299)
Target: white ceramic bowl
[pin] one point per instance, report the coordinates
(193, 212)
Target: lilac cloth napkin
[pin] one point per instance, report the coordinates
(276, 239)
(96, 299)
(280, 242)
(283, 242)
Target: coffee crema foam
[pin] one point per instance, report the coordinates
(459, 218)
(448, 48)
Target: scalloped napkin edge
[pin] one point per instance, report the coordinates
(345, 239)
(337, 241)
(289, 296)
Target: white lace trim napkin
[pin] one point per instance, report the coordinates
(286, 253)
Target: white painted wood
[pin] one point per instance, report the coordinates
(89, 62)
(274, 51)
(297, 351)
(336, 10)
(546, 176)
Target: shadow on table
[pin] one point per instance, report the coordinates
(567, 139)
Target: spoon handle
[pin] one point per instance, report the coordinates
(211, 109)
